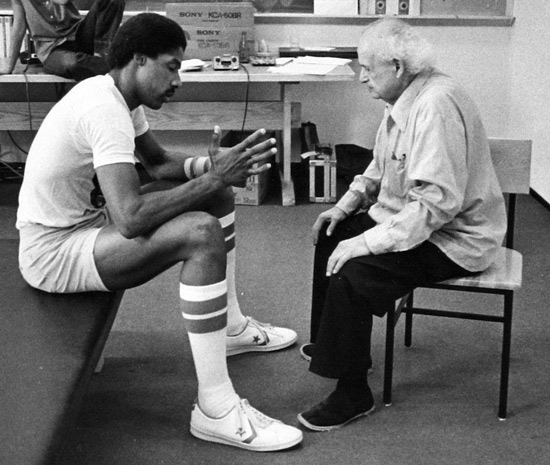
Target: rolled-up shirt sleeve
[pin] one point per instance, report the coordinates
(363, 191)
(432, 177)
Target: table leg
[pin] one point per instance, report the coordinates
(287, 186)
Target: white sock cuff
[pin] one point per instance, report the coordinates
(227, 220)
(203, 293)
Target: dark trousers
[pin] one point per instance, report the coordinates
(75, 59)
(344, 304)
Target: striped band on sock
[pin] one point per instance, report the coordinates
(196, 166)
(228, 225)
(204, 307)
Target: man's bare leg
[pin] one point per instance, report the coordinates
(245, 334)
(197, 240)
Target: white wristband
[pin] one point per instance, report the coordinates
(196, 166)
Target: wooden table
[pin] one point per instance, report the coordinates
(282, 114)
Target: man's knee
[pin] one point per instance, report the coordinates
(117, 5)
(75, 65)
(355, 282)
(61, 62)
(203, 233)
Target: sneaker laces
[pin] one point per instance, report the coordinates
(261, 327)
(259, 418)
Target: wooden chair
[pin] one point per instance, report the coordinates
(512, 161)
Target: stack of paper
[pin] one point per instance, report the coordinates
(192, 65)
(310, 65)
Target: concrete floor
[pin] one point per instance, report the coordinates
(445, 387)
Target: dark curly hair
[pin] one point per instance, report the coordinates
(147, 33)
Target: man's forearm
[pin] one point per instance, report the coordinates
(362, 193)
(179, 167)
(159, 204)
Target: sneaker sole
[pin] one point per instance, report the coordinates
(312, 427)
(306, 357)
(267, 348)
(220, 440)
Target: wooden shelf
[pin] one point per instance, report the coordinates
(467, 21)
(358, 20)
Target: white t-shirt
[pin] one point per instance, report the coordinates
(90, 127)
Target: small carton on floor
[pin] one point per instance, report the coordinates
(255, 190)
(257, 186)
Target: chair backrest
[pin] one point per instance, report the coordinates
(512, 162)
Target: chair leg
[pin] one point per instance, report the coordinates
(388, 362)
(506, 346)
(408, 320)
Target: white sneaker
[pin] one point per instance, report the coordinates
(260, 337)
(244, 427)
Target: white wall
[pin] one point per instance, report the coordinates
(529, 107)
(344, 112)
(505, 69)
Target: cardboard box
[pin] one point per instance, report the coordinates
(205, 43)
(213, 28)
(212, 14)
(255, 190)
(257, 185)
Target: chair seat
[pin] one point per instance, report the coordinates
(504, 273)
(512, 162)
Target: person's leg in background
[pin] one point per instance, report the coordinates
(97, 29)
(86, 56)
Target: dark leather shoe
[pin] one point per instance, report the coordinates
(335, 411)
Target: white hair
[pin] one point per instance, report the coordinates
(391, 38)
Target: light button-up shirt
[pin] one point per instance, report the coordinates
(432, 177)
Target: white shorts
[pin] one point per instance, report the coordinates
(60, 260)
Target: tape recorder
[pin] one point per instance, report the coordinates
(225, 63)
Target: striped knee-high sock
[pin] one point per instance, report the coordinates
(204, 310)
(235, 319)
